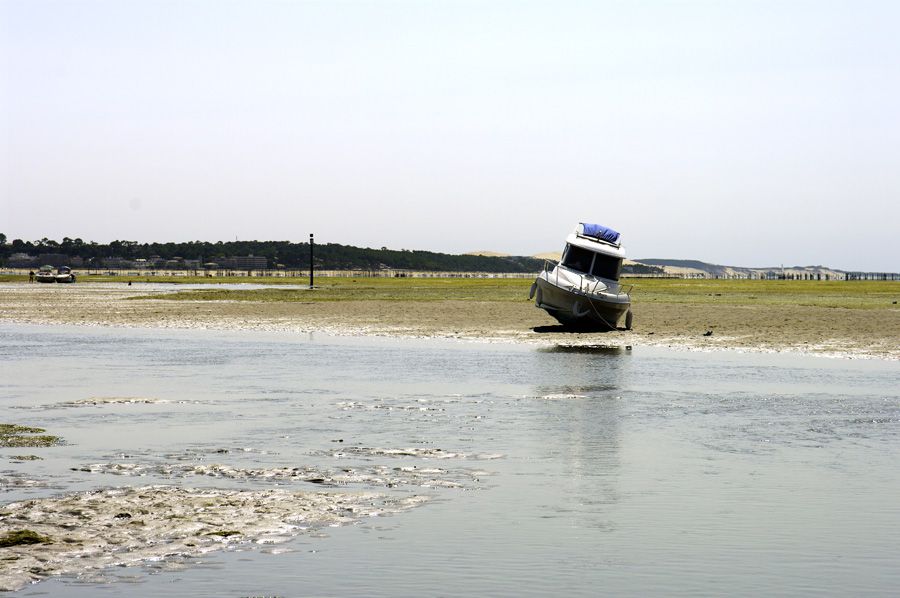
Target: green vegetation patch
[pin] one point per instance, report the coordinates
(828, 294)
(124, 278)
(23, 537)
(371, 289)
(14, 435)
(855, 294)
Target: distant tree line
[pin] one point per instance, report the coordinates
(330, 256)
(642, 269)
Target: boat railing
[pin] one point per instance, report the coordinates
(589, 285)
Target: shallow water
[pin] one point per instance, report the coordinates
(561, 470)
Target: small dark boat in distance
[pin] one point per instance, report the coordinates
(582, 291)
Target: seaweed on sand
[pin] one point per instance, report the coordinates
(20, 537)
(14, 435)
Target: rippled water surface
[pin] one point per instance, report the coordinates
(565, 471)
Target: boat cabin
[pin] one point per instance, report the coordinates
(586, 261)
(594, 250)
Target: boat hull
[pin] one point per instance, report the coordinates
(51, 278)
(579, 310)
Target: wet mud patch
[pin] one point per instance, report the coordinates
(419, 453)
(419, 405)
(11, 481)
(561, 396)
(80, 534)
(24, 458)
(115, 401)
(356, 468)
(203, 453)
(369, 476)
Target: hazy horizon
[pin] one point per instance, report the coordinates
(742, 134)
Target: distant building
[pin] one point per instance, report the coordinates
(21, 260)
(249, 262)
(116, 262)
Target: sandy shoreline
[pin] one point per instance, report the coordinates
(833, 332)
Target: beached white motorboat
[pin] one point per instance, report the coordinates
(64, 274)
(582, 291)
(45, 274)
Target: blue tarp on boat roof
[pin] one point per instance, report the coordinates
(599, 232)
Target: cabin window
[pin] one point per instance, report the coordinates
(587, 262)
(606, 266)
(578, 259)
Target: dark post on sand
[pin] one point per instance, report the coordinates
(311, 243)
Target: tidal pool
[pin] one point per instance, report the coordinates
(447, 468)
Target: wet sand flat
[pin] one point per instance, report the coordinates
(684, 322)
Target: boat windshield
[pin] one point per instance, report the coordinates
(586, 261)
(578, 259)
(606, 266)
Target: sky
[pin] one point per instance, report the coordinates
(745, 133)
